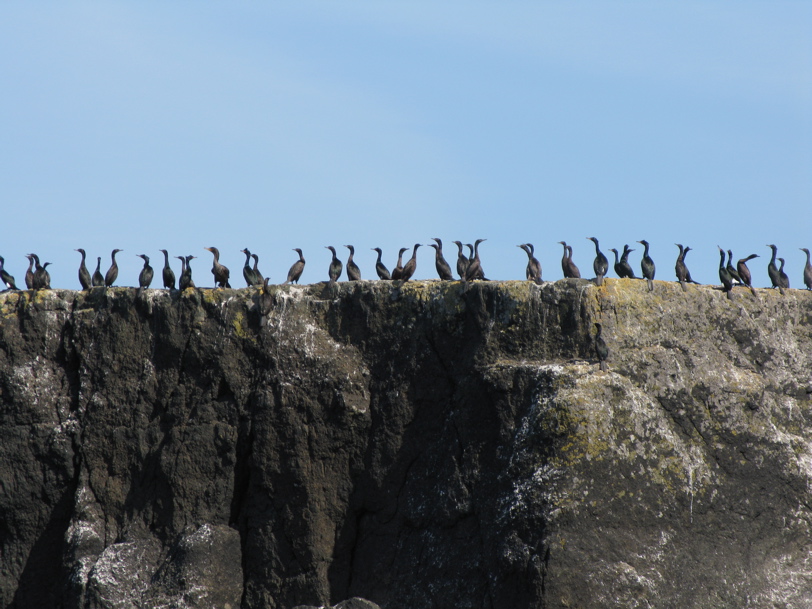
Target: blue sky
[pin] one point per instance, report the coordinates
(182, 125)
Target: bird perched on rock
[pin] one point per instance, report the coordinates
(397, 272)
(247, 272)
(601, 264)
(567, 265)
(353, 271)
(336, 266)
(42, 278)
(98, 279)
(440, 263)
(533, 269)
(145, 276)
(380, 267)
(462, 260)
(185, 280)
(257, 274)
(84, 275)
(296, 268)
(29, 273)
(220, 271)
(734, 274)
(112, 273)
(601, 350)
(772, 270)
(807, 269)
(7, 279)
(681, 269)
(783, 278)
(168, 275)
(264, 303)
(474, 271)
(411, 265)
(724, 275)
(744, 272)
(647, 266)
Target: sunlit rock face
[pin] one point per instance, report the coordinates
(406, 445)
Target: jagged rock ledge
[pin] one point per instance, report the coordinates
(416, 445)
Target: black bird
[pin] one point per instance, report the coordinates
(624, 261)
(336, 266)
(411, 265)
(397, 272)
(84, 274)
(380, 267)
(264, 303)
(42, 279)
(462, 261)
(185, 280)
(168, 274)
(601, 350)
(296, 268)
(744, 272)
(29, 274)
(724, 275)
(440, 263)
(647, 266)
(683, 274)
(474, 270)
(247, 273)
(112, 273)
(567, 265)
(601, 264)
(7, 279)
(353, 272)
(220, 271)
(807, 269)
(145, 276)
(734, 274)
(533, 269)
(783, 278)
(98, 279)
(257, 275)
(480, 274)
(772, 271)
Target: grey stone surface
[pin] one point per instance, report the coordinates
(414, 445)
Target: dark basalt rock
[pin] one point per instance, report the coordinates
(415, 445)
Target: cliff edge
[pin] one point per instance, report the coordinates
(416, 445)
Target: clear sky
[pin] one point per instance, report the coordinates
(179, 125)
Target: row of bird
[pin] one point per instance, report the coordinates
(469, 268)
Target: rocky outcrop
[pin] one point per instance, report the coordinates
(415, 445)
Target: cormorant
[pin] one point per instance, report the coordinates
(744, 272)
(462, 261)
(29, 274)
(247, 273)
(145, 276)
(601, 264)
(7, 279)
(601, 350)
(782, 276)
(353, 272)
(185, 280)
(567, 265)
(380, 267)
(335, 266)
(440, 263)
(98, 279)
(481, 273)
(42, 278)
(683, 274)
(84, 274)
(772, 270)
(264, 303)
(624, 261)
(807, 269)
(474, 270)
(257, 274)
(647, 266)
(168, 274)
(112, 273)
(296, 268)
(397, 272)
(724, 275)
(220, 271)
(411, 265)
(734, 274)
(533, 269)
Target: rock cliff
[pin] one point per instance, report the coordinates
(414, 445)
